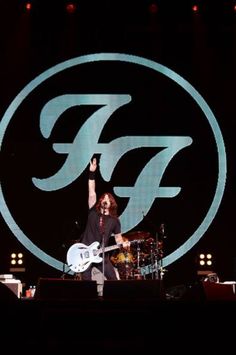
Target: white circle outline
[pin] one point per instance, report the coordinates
(222, 171)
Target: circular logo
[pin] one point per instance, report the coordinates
(147, 185)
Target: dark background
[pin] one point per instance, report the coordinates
(199, 47)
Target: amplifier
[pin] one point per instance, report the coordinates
(14, 285)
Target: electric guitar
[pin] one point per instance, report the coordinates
(80, 256)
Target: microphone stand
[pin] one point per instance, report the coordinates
(102, 226)
(163, 236)
(157, 262)
(65, 273)
(103, 257)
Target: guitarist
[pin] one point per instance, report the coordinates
(102, 222)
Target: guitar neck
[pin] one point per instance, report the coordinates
(112, 247)
(117, 246)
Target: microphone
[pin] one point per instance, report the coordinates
(162, 229)
(104, 204)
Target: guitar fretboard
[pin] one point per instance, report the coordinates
(117, 246)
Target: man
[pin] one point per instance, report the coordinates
(102, 223)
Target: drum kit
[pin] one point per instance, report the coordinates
(142, 259)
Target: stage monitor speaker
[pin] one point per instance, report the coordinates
(133, 289)
(14, 285)
(65, 289)
(219, 291)
(7, 294)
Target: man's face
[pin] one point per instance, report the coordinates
(106, 202)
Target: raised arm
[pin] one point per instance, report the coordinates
(92, 196)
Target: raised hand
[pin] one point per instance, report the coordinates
(93, 164)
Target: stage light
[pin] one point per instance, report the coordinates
(28, 6)
(17, 258)
(71, 7)
(195, 8)
(205, 259)
(204, 264)
(17, 262)
(13, 259)
(20, 260)
(153, 8)
(209, 259)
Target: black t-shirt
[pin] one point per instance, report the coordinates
(99, 225)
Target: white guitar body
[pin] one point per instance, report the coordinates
(80, 256)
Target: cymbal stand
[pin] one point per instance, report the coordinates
(156, 257)
(126, 263)
(160, 250)
(138, 261)
(138, 257)
(152, 260)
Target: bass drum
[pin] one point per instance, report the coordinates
(124, 262)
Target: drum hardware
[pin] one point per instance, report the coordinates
(124, 262)
(155, 249)
(142, 259)
(138, 275)
(156, 252)
(137, 271)
(137, 235)
(138, 257)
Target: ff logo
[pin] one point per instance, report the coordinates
(88, 140)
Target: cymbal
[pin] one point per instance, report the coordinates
(136, 235)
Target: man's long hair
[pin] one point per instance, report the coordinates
(113, 207)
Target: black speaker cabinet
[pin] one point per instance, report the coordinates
(65, 289)
(133, 289)
(219, 291)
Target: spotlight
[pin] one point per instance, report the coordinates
(153, 8)
(71, 7)
(195, 8)
(204, 264)
(17, 262)
(28, 6)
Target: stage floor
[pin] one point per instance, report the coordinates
(119, 325)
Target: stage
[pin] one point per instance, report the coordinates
(126, 323)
